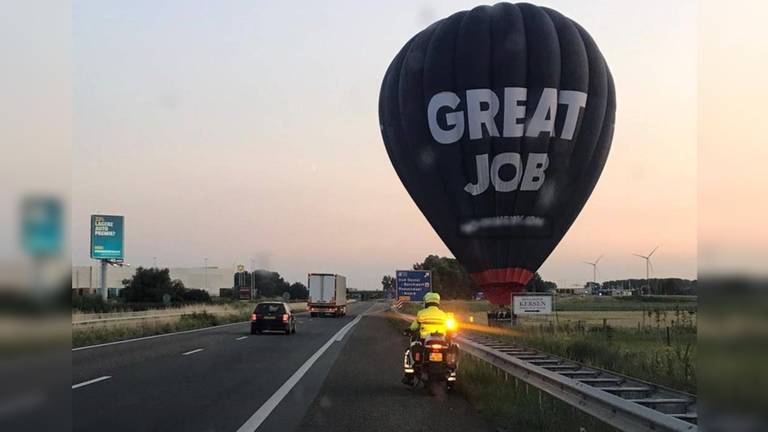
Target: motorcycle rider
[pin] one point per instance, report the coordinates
(429, 320)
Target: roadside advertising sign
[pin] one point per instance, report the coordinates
(107, 237)
(532, 305)
(42, 221)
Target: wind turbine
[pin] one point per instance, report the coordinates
(594, 267)
(648, 267)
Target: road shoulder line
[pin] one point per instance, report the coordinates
(266, 409)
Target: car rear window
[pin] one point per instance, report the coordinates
(269, 308)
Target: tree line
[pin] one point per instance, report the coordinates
(270, 284)
(658, 286)
(154, 285)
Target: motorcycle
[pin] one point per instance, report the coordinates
(433, 361)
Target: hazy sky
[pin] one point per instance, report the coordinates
(239, 130)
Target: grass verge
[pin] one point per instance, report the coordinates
(98, 335)
(512, 405)
(643, 354)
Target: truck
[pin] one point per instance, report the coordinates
(327, 294)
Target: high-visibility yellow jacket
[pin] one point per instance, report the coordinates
(430, 320)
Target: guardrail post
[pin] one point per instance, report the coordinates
(540, 403)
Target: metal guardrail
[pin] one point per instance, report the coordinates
(622, 402)
(130, 318)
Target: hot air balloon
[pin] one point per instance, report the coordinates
(498, 121)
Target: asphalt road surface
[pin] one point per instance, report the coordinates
(334, 374)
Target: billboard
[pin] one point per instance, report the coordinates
(532, 305)
(107, 237)
(42, 221)
(411, 285)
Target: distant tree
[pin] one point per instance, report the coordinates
(150, 285)
(270, 284)
(537, 284)
(387, 283)
(196, 295)
(297, 290)
(449, 278)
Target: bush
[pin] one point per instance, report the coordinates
(642, 354)
(512, 405)
(96, 335)
(91, 303)
(196, 295)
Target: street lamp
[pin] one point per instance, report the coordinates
(205, 271)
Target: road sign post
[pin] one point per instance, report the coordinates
(103, 280)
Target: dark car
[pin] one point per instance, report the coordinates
(272, 316)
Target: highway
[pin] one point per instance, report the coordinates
(334, 374)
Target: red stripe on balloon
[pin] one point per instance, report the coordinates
(503, 276)
(498, 285)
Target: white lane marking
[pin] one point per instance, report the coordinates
(192, 352)
(266, 409)
(156, 336)
(343, 332)
(241, 338)
(93, 381)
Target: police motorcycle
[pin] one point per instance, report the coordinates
(434, 360)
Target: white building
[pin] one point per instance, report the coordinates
(85, 279)
(571, 290)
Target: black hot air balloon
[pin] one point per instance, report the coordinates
(498, 121)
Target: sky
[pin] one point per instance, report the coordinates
(248, 132)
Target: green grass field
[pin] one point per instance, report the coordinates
(511, 405)
(642, 354)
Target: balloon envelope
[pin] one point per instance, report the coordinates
(498, 121)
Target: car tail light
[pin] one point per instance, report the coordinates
(254, 317)
(285, 317)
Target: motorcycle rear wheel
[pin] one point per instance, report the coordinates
(435, 385)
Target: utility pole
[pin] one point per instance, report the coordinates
(253, 279)
(205, 272)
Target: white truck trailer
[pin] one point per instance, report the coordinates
(327, 294)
